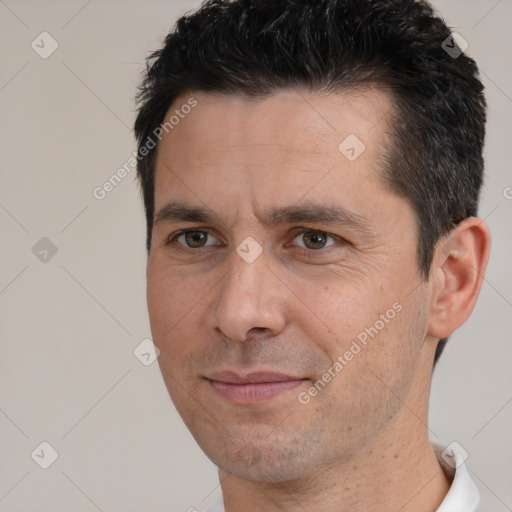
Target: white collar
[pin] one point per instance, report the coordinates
(463, 495)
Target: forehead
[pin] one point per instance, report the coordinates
(273, 150)
(300, 119)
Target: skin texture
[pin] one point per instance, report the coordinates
(361, 442)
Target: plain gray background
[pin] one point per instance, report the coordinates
(69, 324)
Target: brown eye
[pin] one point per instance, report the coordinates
(314, 239)
(196, 239)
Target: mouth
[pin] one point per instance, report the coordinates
(254, 387)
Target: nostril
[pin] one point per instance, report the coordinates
(255, 332)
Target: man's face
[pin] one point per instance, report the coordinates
(256, 289)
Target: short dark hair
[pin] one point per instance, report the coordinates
(258, 47)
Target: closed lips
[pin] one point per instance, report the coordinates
(229, 377)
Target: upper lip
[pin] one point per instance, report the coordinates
(230, 377)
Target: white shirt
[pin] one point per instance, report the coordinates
(463, 495)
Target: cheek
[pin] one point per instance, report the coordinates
(338, 312)
(371, 320)
(174, 307)
(175, 313)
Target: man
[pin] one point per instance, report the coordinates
(311, 173)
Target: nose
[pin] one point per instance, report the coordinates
(248, 300)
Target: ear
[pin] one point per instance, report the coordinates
(457, 275)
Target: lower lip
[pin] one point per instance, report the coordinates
(252, 393)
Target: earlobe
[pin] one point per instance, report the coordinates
(459, 267)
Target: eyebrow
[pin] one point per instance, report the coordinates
(304, 212)
(176, 211)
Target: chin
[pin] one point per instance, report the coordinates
(261, 460)
(258, 468)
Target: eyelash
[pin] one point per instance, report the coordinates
(299, 232)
